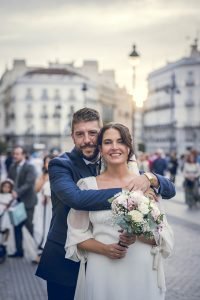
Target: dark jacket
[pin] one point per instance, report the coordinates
(24, 183)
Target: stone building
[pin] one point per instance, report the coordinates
(171, 113)
(37, 103)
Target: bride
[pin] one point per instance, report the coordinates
(112, 273)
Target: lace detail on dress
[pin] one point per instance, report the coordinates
(102, 217)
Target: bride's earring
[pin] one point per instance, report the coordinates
(103, 165)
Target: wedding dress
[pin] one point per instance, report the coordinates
(42, 215)
(138, 276)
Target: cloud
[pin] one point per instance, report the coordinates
(103, 30)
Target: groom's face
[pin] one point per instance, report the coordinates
(85, 136)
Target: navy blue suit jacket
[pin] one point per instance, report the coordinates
(64, 172)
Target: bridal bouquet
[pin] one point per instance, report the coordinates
(137, 214)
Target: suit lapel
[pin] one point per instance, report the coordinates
(79, 163)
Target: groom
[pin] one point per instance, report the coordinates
(65, 171)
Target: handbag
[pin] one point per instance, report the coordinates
(17, 214)
(189, 183)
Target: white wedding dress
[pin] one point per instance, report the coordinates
(137, 276)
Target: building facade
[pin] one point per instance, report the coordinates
(37, 103)
(171, 113)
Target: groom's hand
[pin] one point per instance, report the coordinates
(151, 194)
(140, 183)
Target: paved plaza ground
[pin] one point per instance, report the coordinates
(17, 280)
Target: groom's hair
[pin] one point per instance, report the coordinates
(124, 133)
(86, 115)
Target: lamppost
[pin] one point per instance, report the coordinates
(84, 90)
(134, 58)
(58, 115)
(172, 89)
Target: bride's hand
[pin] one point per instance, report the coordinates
(126, 239)
(115, 251)
(151, 242)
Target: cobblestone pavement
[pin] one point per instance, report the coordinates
(182, 269)
(17, 280)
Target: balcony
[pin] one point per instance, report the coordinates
(28, 115)
(44, 116)
(56, 115)
(189, 83)
(189, 103)
(158, 107)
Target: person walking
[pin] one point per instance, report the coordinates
(173, 166)
(23, 174)
(159, 165)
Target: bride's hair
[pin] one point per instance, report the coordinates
(124, 133)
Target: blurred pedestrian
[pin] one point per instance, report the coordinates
(6, 227)
(173, 166)
(191, 173)
(43, 210)
(23, 174)
(8, 160)
(143, 162)
(159, 165)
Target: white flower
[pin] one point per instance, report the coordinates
(122, 200)
(155, 212)
(136, 197)
(145, 200)
(143, 208)
(146, 227)
(136, 216)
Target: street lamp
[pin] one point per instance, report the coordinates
(134, 58)
(172, 89)
(84, 90)
(58, 115)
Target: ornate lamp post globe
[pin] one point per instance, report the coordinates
(134, 58)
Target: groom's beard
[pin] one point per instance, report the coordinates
(91, 157)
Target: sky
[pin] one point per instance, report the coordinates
(104, 30)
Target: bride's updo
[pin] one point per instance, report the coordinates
(124, 133)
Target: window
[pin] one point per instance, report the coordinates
(57, 95)
(189, 101)
(190, 79)
(29, 114)
(44, 95)
(29, 94)
(71, 96)
(57, 112)
(44, 114)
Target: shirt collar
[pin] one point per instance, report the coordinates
(97, 160)
(22, 163)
